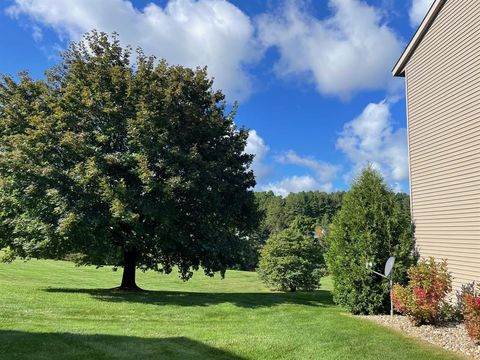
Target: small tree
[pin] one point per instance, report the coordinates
(130, 164)
(292, 259)
(371, 226)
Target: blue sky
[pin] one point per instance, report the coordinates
(312, 77)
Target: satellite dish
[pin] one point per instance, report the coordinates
(389, 265)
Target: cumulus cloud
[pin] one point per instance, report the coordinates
(418, 10)
(256, 146)
(186, 32)
(350, 51)
(295, 184)
(323, 171)
(321, 178)
(370, 138)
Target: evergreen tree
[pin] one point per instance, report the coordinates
(371, 226)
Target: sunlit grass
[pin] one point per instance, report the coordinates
(54, 310)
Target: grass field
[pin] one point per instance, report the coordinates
(54, 310)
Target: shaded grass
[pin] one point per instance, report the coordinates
(53, 310)
(76, 346)
(181, 298)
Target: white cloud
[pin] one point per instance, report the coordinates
(295, 184)
(397, 187)
(324, 172)
(370, 138)
(350, 51)
(256, 146)
(418, 10)
(187, 32)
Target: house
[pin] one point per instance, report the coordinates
(441, 66)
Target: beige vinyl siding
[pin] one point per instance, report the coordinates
(443, 91)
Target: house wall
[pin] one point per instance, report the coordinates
(443, 96)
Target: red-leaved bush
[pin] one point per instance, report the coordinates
(471, 313)
(424, 296)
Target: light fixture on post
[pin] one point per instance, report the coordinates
(387, 275)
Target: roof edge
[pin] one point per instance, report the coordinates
(399, 68)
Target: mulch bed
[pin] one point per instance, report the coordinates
(452, 337)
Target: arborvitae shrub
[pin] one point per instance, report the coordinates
(371, 226)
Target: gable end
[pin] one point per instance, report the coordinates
(399, 69)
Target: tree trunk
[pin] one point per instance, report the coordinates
(129, 267)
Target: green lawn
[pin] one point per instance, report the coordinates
(54, 310)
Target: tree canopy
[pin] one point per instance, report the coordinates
(278, 213)
(124, 160)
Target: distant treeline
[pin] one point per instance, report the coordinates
(278, 212)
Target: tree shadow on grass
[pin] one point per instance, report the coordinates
(59, 346)
(180, 298)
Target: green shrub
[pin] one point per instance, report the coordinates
(291, 260)
(450, 313)
(423, 300)
(371, 226)
(7, 255)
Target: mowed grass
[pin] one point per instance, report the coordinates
(54, 310)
